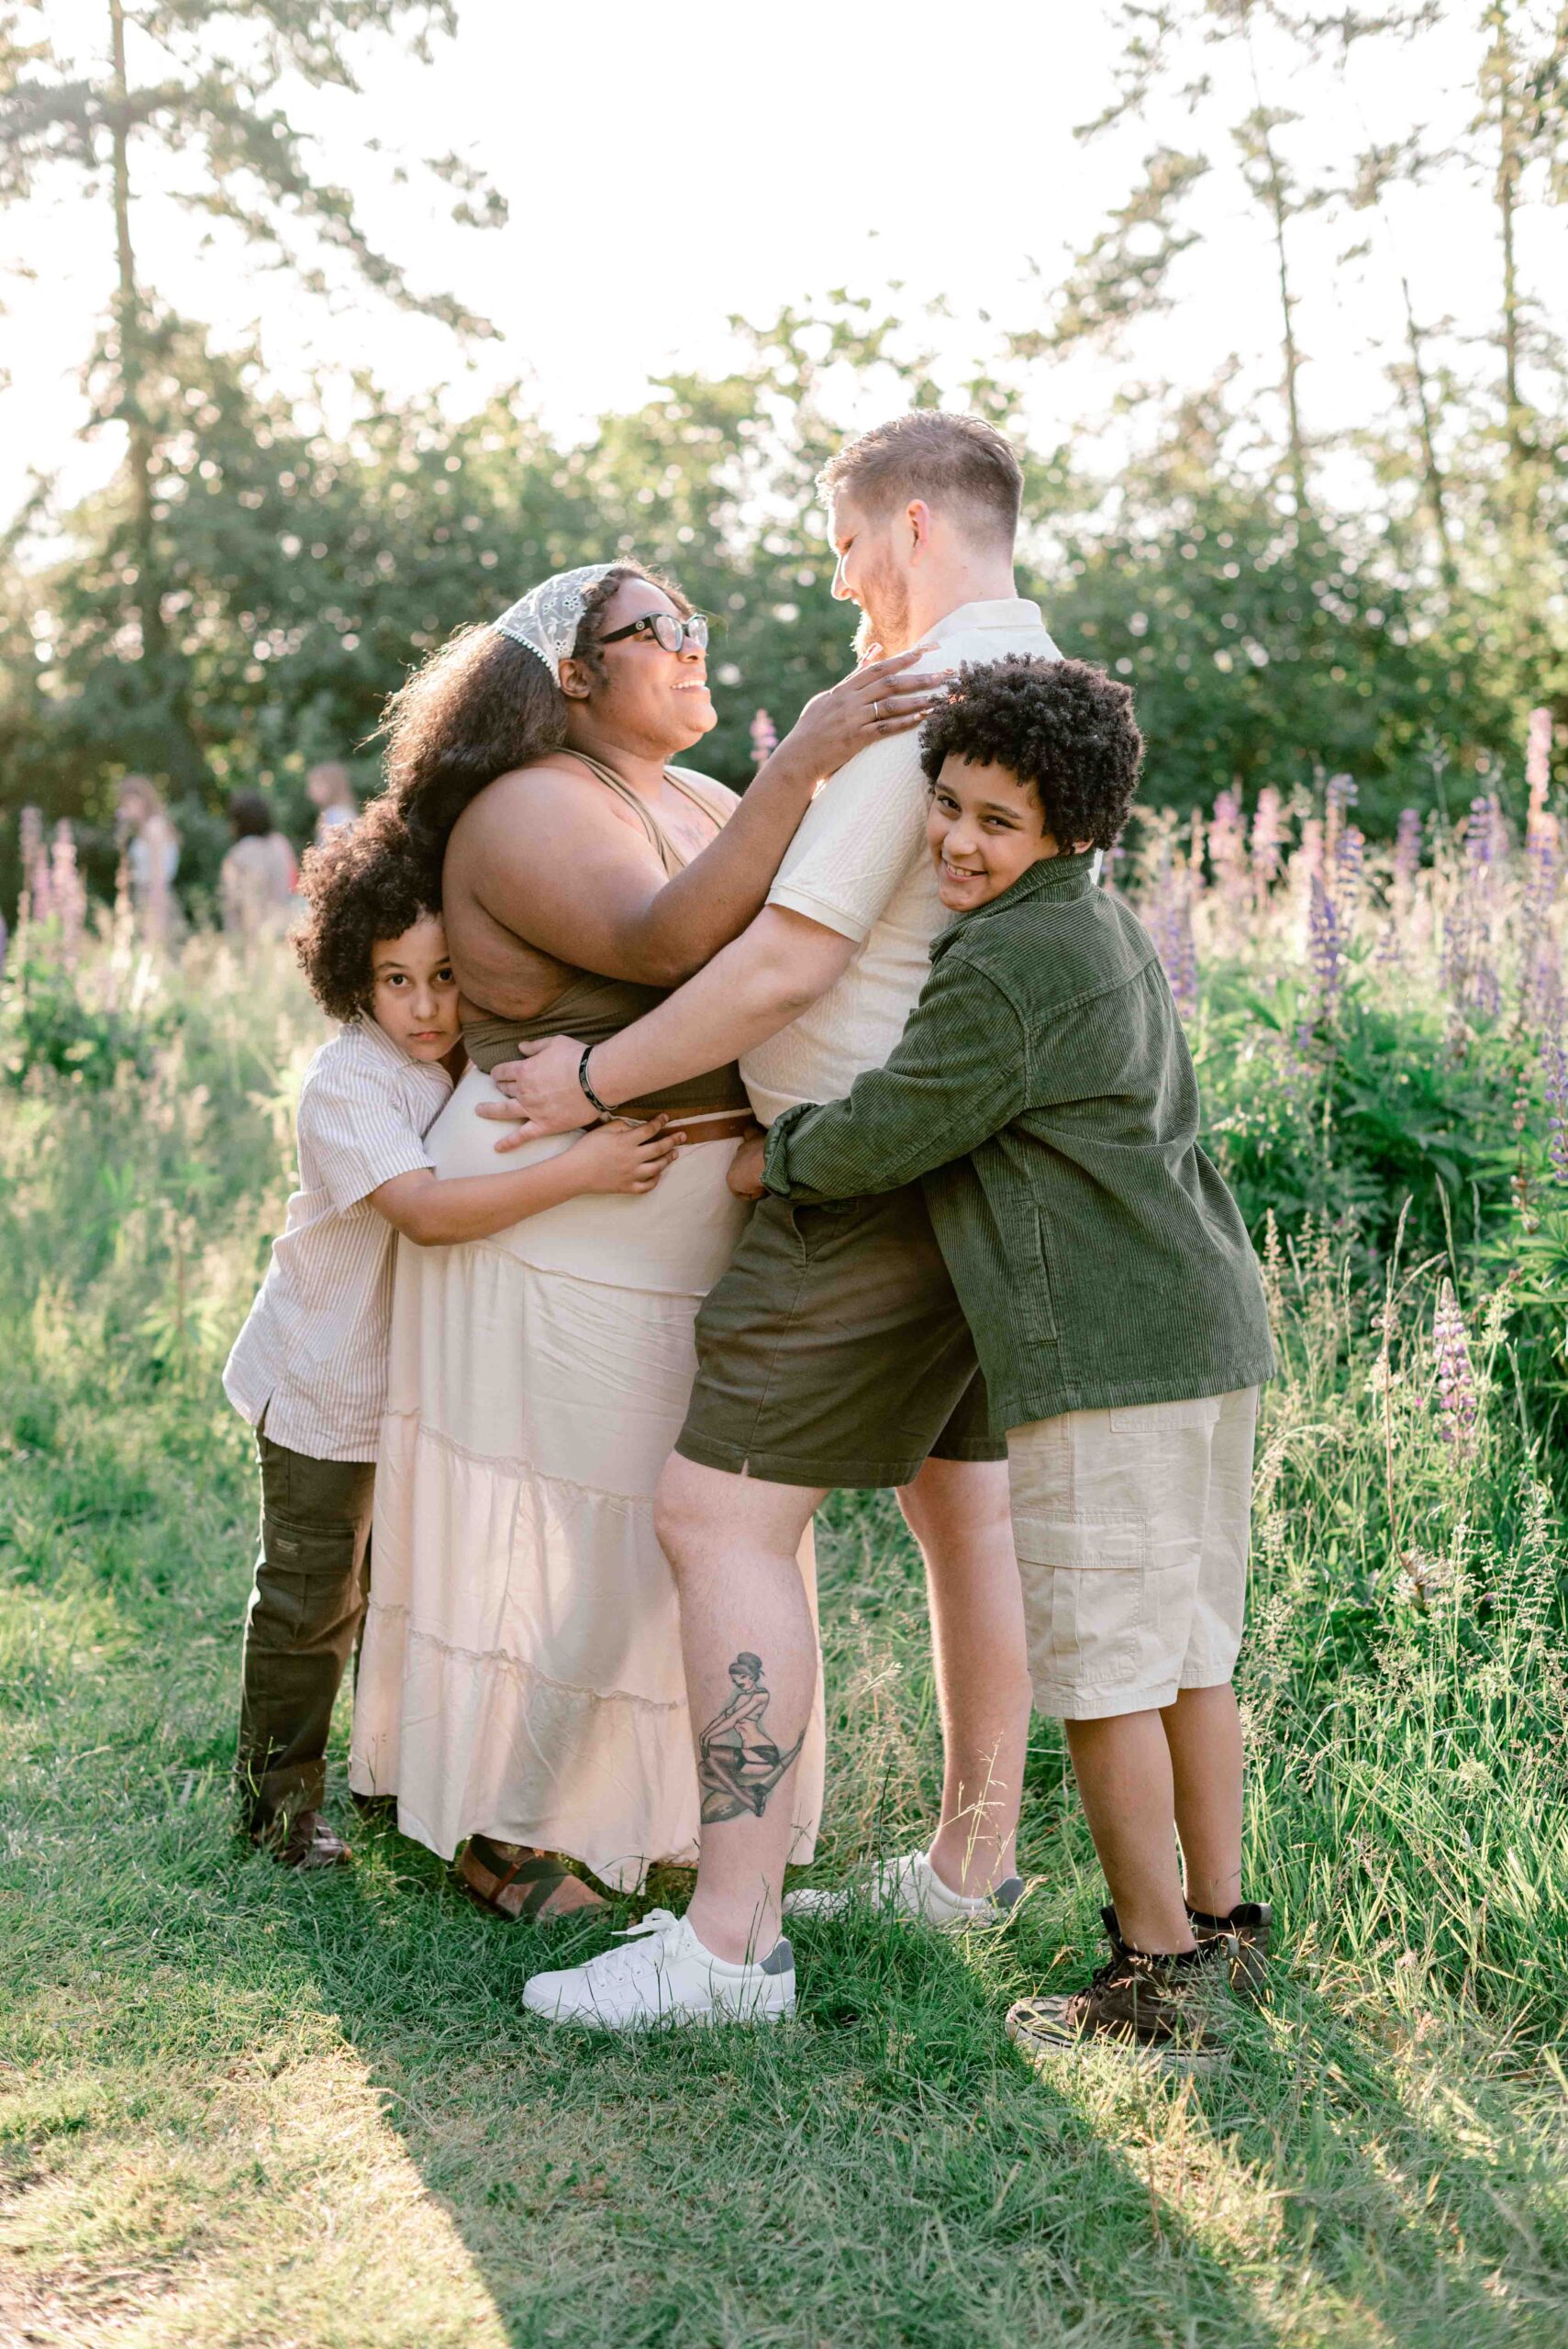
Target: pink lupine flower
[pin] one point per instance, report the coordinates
(764, 738)
(67, 889)
(1456, 1399)
(1227, 849)
(1268, 839)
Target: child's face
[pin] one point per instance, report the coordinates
(984, 830)
(413, 998)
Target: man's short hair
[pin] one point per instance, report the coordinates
(1063, 727)
(957, 463)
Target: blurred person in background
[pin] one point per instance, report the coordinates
(259, 876)
(331, 794)
(150, 846)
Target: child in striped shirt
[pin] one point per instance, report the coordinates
(308, 1369)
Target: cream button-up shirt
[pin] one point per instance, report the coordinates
(312, 1355)
(859, 865)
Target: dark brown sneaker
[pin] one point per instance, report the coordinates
(1168, 2012)
(303, 1841)
(1250, 1925)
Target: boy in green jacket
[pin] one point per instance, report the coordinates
(1044, 1092)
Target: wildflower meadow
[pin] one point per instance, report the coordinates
(237, 2106)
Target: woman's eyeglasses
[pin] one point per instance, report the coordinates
(666, 628)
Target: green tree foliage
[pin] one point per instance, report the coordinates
(203, 81)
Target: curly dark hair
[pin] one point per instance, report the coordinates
(1064, 728)
(479, 708)
(366, 881)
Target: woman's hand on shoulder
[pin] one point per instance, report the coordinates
(881, 697)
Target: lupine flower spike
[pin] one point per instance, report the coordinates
(1456, 1397)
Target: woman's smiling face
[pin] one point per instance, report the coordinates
(647, 699)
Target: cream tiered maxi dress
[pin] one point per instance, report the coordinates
(521, 1675)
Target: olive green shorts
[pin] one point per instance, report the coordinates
(833, 1351)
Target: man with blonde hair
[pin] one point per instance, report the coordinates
(833, 1351)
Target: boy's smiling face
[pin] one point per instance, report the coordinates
(413, 994)
(985, 828)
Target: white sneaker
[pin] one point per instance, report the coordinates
(910, 1887)
(666, 1977)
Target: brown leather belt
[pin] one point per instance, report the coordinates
(730, 1127)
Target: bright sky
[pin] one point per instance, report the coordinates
(667, 165)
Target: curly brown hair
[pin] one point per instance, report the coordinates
(481, 707)
(367, 881)
(1064, 728)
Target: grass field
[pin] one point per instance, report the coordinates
(242, 2108)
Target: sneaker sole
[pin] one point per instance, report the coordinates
(763, 2009)
(1038, 2053)
(836, 1905)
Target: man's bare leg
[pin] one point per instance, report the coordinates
(957, 1510)
(1203, 1728)
(731, 1542)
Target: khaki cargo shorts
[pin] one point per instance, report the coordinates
(834, 1352)
(1132, 1528)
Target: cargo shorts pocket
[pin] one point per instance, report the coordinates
(1086, 1596)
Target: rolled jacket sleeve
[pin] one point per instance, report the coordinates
(958, 1076)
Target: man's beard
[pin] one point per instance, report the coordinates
(885, 615)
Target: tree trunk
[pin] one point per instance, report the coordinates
(1504, 71)
(128, 313)
(1432, 470)
(170, 743)
(1279, 212)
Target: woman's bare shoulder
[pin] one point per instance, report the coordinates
(555, 788)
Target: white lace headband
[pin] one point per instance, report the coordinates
(546, 619)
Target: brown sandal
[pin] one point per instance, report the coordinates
(488, 1877)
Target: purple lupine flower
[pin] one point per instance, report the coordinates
(1268, 839)
(1171, 927)
(1456, 1399)
(1325, 952)
(1408, 849)
(764, 738)
(1554, 1069)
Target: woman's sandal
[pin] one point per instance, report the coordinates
(518, 1887)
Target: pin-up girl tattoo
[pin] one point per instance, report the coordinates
(737, 1764)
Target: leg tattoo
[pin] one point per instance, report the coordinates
(737, 1764)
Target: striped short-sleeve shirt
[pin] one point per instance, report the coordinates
(312, 1354)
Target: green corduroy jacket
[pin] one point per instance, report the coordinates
(1043, 1093)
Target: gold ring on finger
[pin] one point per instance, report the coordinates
(876, 713)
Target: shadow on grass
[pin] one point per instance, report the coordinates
(885, 2171)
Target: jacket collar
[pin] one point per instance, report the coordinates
(1061, 877)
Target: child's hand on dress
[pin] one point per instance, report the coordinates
(619, 1157)
(746, 1168)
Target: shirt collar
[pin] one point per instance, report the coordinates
(1003, 611)
(1068, 877)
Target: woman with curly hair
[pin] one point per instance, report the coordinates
(521, 1684)
(308, 1370)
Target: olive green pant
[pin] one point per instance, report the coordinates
(307, 1602)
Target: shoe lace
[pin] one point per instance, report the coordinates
(612, 1965)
